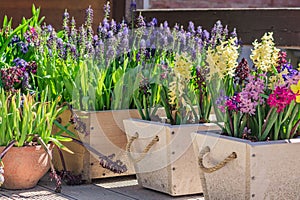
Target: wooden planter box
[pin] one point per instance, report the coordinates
(106, 136)
(261, 170)
(169, 165)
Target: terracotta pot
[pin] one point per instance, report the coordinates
(24, 166)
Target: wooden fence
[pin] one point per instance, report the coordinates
(250, 23)
(53, 10)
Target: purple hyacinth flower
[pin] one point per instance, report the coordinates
(20, 63)
(14, 40)
(24, 47)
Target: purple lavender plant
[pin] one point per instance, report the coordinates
(66, 19)
(140, 21)
(107, 10)
(88, 23)
(73, 32)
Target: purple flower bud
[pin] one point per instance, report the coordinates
(176, 27)
(106, 24)
(166, 25)
(140, 21)
(191, 27)
(125, 31)
(106, 10)
(49, 28)
(132, 5)
(95, 38)
(233, 33)
(110, 34)
(59, 42)
(89, 16)
(66, 17)
(199, 31)
(153, 22)
(113, 25)
(205, 35)
(225, 32)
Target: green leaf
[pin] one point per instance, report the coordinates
(236, 121)
(4, 22)
(64, 129)
(60, 145)
(269, 124)
(63, 139)
(33, 10)
(291, 106)
(259, 119)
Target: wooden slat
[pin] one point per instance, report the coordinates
(118, 9)
(38, 193)
(124, 188)
(250, 23)
(84, 192)
(129, 187)
(53, 10)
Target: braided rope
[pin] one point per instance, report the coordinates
(218, 166)
(145, 151)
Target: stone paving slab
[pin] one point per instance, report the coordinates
(119, 188)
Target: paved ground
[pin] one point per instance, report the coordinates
(121, 188)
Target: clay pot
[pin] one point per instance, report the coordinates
(24, 166)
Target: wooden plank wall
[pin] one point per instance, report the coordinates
(54, 9)
(250, 23)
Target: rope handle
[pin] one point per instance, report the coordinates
(218, 166)
(145, 151)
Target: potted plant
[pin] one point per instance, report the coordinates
(87, 81)
(162, 152)
(255, 154)
(27, 116)
(26, 138)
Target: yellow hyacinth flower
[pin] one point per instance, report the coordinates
(183, 66)
(182, 71)
(265, 54)
(223, 59)
(296, 90)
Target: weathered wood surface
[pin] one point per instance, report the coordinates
(251, 23)
(170, 164)
(125, 188)
(256, 173)
(53, 10)
(106, 136)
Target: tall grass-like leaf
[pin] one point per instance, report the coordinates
(270, 120)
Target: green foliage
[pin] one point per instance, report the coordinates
(8, 51)
(26, 117)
